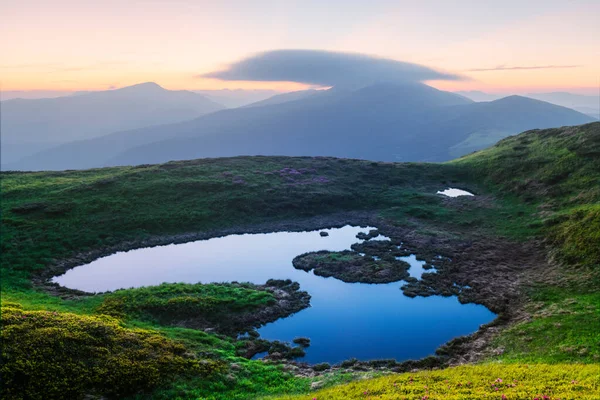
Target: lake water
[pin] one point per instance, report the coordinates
(345, 320)
(452, 192)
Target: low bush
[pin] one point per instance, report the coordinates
(62, 355)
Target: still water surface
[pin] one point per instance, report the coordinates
(345, 320)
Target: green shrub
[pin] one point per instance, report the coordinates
(61, 355)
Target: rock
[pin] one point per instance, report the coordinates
(366, 236)
(302, 341)
(316, 385)
(323, 233)
(321, 367)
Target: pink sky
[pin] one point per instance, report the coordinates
(515, 46)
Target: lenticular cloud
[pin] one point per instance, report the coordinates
(325, 68)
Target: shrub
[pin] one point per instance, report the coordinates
(63, 355)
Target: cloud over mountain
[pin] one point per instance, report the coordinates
(326, 68)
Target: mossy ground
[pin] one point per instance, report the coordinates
(541, 184)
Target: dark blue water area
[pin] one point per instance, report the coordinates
(376, 322)
(365, 321)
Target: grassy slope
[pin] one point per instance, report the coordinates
(556, 171)
(50, 216)
(547, 183)
(559, 171)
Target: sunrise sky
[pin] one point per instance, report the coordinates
(501, 46)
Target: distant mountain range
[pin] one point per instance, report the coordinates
(589, 105)
(31, 125)
(389, 122)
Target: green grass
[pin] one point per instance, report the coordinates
(564, 327)
(171, 302)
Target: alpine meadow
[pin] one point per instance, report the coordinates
(300, 201)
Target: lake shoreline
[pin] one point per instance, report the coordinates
(458, 258)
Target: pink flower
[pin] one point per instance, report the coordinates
(499, 380)
(504, 397)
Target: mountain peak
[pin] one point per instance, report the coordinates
(142, 87)
(515, 98)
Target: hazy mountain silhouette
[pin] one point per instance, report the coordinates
(585, 104)
(29, 125)
(390, 122)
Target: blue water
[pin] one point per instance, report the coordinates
(345, 320)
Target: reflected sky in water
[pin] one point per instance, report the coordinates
(365, 321)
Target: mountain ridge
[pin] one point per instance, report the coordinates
(411, 122)
(59, 120)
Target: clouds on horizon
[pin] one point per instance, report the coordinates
(520, 68)
(326, 68)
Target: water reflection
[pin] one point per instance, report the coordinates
(345, 320)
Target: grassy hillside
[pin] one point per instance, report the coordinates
(537, 186)
(557, 172)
